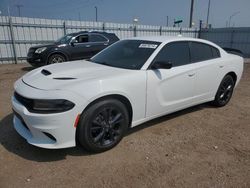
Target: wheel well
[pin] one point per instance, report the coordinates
(234, 76)
(60, 53)
(121, 98)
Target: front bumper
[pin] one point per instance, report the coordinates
(52, 131)
(36, 60)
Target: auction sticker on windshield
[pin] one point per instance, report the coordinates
(153, 46)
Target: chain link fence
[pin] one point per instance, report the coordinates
(236, 38)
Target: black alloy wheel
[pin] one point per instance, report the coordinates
(56, 58)
(225, 91)
(102, 125)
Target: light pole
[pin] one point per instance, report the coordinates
(208, 11)
(96, 14)
(230, 18)
(135, 22)
(191, 13)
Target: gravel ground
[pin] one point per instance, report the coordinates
(202, 146)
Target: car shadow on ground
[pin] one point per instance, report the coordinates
(14, 143)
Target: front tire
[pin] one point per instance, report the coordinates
(56, 58)
(224, 92)
(103, 125)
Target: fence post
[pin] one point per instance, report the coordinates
(103, 26)
(232, 39)
(135, 31)
(200, 28)
(13, 40)
(64, 28)
(160, 30)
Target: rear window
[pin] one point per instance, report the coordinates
(97, 38)
(202, 52)
(216, 52)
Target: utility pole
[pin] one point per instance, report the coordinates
(208, 11)
(191, 14)
(18, 6)
(167, 21)
(96, 14)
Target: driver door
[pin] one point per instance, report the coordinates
(169, 90)
(81, 48)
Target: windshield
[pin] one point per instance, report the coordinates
(64, 39)
(128, 54)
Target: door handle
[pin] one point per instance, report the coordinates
(221, 66)
(88, 46)
(191, 74)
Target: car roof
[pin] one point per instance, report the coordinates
(86, 32)
(164, 39)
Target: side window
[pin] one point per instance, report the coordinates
(97, 38)
(200, 52)
(216, 52)
(176, 53)
(82, 38)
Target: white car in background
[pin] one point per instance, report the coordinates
(95, 101)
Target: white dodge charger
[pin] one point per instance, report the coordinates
(93, 102)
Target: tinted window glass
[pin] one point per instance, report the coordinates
(216, 52)
(97, 38)
(128, 54)
(176, 53)
(64, 39)
(200, 52)
(82, 38)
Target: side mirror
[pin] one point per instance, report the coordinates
(161, 65)
(73, 42)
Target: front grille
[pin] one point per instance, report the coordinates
(28, 103)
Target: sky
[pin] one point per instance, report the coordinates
(148, 12)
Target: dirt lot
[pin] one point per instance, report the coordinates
(202, 146)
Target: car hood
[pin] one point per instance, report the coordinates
(43, 45)
(60, 76)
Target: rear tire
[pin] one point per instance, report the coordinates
(56, 58)
(103, 125)
(224, 92)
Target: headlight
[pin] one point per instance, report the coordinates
(40, 50)
(51, 106)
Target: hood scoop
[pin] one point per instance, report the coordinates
(46, 72)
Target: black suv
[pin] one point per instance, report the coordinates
(74, 46)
